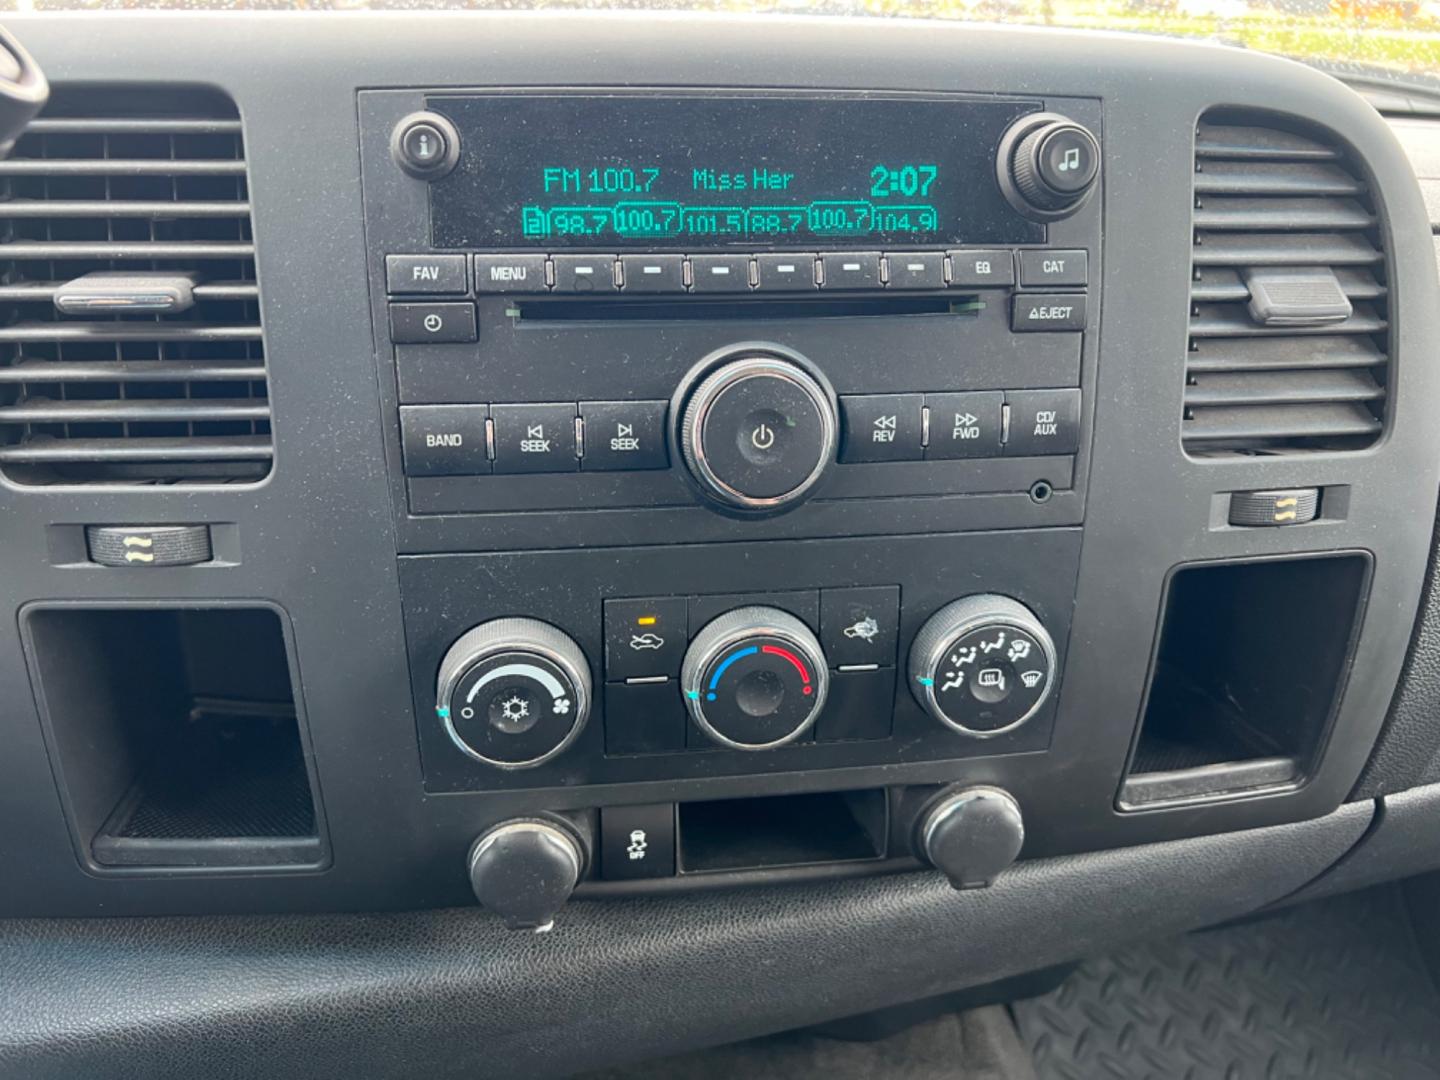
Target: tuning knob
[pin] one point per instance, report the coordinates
(513, 693)
(982, 665)
(755, 678)
(971, 835)
(757, 431)
(525, 871)
(1048, 165)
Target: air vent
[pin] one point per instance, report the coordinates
(1288, 313)
(129, 210)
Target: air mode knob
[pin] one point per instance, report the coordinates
(1048, 165)
(755, 678)
(757, 431)
(982, 665)
(513, 693)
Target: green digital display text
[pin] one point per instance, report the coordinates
(647, 202)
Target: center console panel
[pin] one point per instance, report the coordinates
(682, 480)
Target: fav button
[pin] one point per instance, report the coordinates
(1055, 267)
(444, 440)
(623, 435)
(644, 639)
(964, 425)
(882, 427)
(418, 324)
(510, 273)
(425, 274)
(1043, 422)
(1048, 312)
(860, 626)
(534, 438)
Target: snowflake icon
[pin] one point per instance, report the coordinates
(514, 708)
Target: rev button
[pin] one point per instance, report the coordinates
(882, 427)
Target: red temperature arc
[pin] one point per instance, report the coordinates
(775, 650)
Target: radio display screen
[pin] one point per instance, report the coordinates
(627, 171)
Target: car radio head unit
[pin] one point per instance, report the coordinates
(564, 170)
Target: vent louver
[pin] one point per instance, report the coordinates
(172, 390)
(1276, 204)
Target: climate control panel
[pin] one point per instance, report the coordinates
(957, 652)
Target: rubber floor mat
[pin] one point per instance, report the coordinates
(1333, 990)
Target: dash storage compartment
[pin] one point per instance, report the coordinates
(1250, 665)
(176, 736)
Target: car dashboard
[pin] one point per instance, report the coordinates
(807, 513)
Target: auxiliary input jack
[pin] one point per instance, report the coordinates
(1040, 491)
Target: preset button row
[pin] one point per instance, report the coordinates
(970, 268)
(936, 427)
(474, 440)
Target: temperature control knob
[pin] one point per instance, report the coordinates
(982, 665)
(513, 693)
(757, 432)
(1048, 165)
(755, 678)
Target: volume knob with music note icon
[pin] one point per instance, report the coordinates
(1052, 163)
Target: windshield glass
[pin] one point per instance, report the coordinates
(1387, 39)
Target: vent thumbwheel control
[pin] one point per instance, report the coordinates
(755, 678)
(757, 431)
(982, 665)
(513, 693)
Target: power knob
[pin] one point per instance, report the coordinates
(758, 427)
(513, 693)
(971, 835)
(1048, 165)
(982, 665)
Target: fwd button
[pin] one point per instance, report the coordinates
(1048, 312)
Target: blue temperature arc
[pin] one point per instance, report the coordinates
(719, 671)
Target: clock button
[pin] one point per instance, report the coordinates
(850, 270)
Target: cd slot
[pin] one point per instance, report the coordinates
(607, 309)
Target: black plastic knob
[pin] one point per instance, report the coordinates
(971, 835)
(757, 431)
(525, 871)
(1051, 164)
